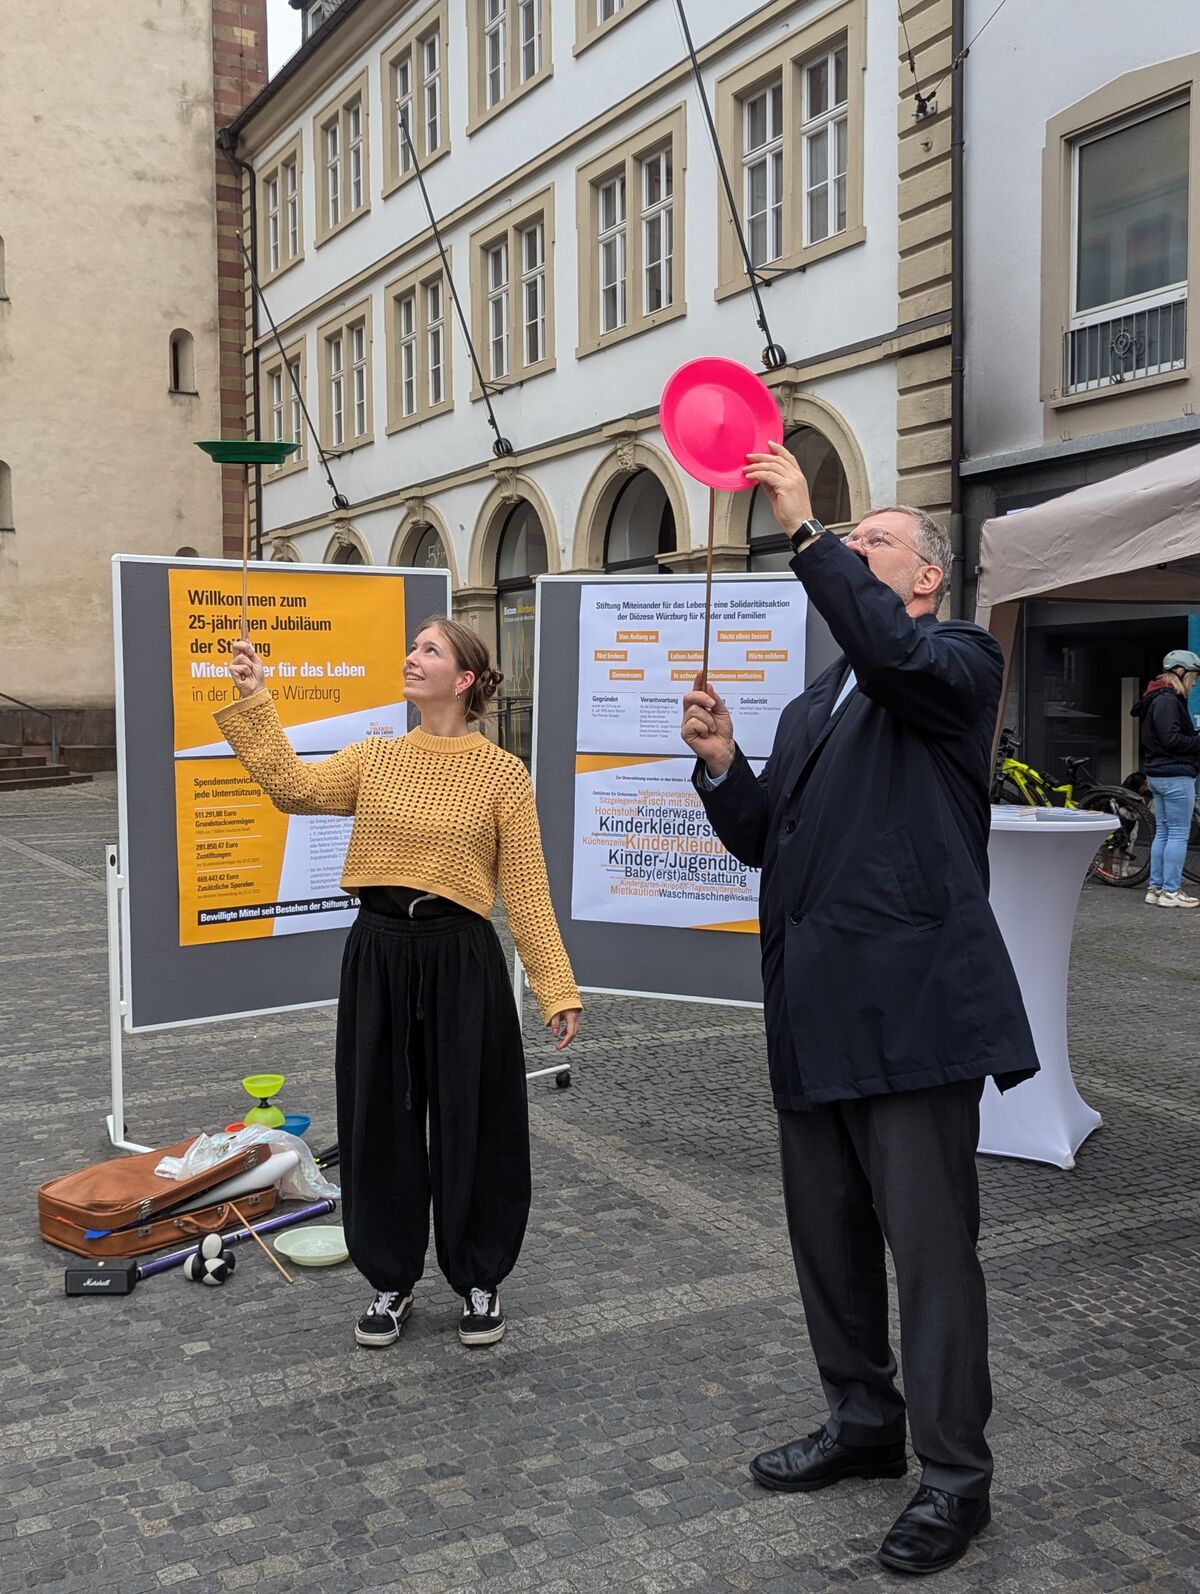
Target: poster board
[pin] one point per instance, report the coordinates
(683, 922)
(230, 908)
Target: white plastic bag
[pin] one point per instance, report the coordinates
(304, 1182)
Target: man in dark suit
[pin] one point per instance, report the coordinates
(888, 999)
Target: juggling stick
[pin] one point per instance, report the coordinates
(712, 516)
(163, 1264)
(270, 1256)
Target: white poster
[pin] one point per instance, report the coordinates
(641, 645)
(646, 854)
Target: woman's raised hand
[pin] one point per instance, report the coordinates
(246, 668)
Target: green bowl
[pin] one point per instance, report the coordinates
(247, 451)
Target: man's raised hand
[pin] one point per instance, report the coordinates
(707, 728)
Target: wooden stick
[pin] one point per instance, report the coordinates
(260, 1242)
(246, 568)
(708, 574)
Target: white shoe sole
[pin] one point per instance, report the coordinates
(488, 1337)
(382, 1341)
(1167, 902)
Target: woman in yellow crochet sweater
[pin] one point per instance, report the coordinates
(427, 1024)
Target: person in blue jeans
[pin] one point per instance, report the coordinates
(1171, 764)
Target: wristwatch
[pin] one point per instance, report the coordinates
(805, 532)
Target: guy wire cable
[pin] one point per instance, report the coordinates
(964, 52)
(340, 501)
(773, 356)
(923, 101)
(502, 448)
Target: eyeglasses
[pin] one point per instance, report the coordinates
(884, 539)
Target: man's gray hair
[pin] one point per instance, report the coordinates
(930, 540)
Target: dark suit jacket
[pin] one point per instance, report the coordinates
(883, 967)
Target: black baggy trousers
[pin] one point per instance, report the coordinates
(428, 1032)
(900, 1169)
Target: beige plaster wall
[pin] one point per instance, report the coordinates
(106, 212)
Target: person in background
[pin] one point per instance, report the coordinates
(427, 1027)
(1171, 765)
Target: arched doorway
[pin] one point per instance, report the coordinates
(641, 527)
(429, 551)
(348, 555)
(826, 477)
(520, 559)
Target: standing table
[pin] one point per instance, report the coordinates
(1039, 860)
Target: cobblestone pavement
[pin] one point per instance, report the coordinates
(227, 1439)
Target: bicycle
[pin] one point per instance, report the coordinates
(1123, 858)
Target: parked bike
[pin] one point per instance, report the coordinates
(1123, 859)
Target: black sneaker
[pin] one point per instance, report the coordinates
(382, 1321)
(482, 1321)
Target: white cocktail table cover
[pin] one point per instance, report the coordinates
(1039, 860)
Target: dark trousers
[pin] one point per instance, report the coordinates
(899, 1169)
(428, 1033)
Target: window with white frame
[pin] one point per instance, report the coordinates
(631, 267)
(435, 341)
(402, 93)
(406, 342)
(529, 17)
(272, 217)
(611, 250)
(533, 291)
(826, 144)
(606, 9)
(789, 122)
(354, 141)
(418, 349)
(333, 174)
(335, 350)
(275, 400)
(344, 348)
(413, 82)
(658, 227)
(343, 166)
(497, 314)
(284, 381)
(358, 377)
(1129, 250)
(291, 201)
(280, 230)
(509, 48)
(495, 50)
(295, 374)
(513, 293)
(431, 63)
(762, 173)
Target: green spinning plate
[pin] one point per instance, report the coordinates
(247, 451)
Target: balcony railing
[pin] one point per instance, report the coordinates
(1125, 347)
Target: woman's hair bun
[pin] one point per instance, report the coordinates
(488, 682)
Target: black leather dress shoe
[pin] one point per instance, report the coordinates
(819, 1460)
(933, 1531)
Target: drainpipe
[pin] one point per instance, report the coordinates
(227, 144)
(957, 323)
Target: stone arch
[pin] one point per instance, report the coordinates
(602, 490)
(283, 551)
(344, 539)
(419, 515)
(802, 409)
(489, 523)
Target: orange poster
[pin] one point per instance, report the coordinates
(333, 647)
